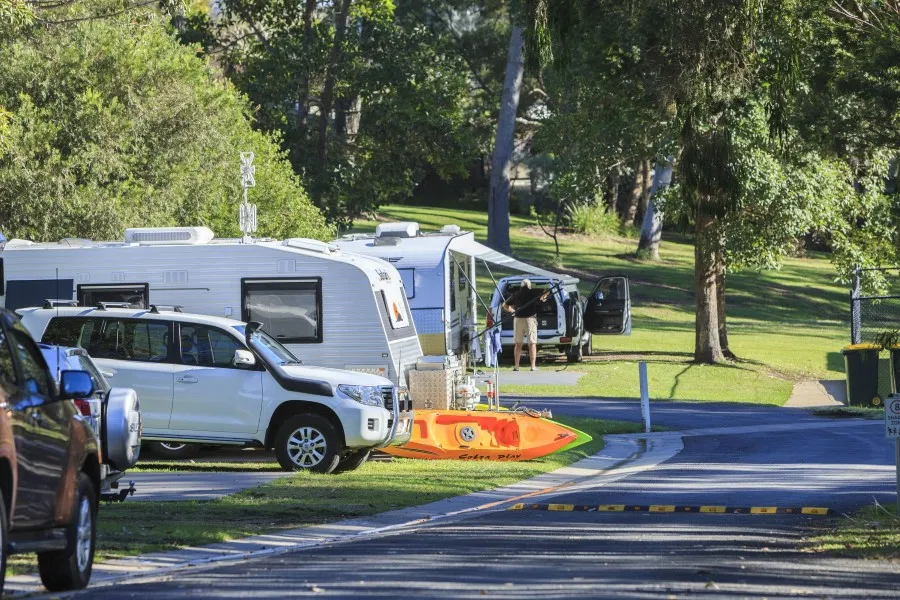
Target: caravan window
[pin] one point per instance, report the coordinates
(137, 295)
(289, 309)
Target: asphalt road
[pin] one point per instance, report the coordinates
(542, 554)
(673, 415)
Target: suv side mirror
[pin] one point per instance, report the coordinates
(243, 358)
(75, 384)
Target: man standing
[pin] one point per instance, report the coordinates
(524, 304)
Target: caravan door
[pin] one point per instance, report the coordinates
(608, 310)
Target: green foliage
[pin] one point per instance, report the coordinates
(112, 123)
(592, 219)
(400, 102)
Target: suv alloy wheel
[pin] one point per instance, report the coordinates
(307, 442)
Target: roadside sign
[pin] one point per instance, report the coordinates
(892, 417)
(892, 430)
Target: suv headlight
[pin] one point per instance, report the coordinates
(364, 394)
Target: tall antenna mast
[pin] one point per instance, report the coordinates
(247, 211)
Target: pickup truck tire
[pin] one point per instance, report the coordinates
(3, 541)
(307, 442)
(173, 449)
(574, 355)
(353, 461)
(70, 569)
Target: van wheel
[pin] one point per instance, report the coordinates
(587, 349)
(574, 355)
(353, 461)
(3, 541)
(307, 443)
(173, 449)
(70, 569)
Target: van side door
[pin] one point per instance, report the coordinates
(212, 394)
(608, 309)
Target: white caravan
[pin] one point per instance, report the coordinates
(438, 271)
(439, 274)
(330, 308)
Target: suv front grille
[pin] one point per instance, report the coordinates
(387, 394)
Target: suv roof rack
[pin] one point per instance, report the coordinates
(54, 302)
(105, 305)
(155, 308)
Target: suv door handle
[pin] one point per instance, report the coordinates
(187, 379)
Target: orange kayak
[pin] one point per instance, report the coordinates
(479, 435)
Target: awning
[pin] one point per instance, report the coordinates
(480, 251)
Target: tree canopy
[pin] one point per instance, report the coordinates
(109, 123)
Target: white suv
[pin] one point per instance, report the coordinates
(211, 380)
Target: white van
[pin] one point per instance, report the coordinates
(211, 380)
(329, 307)
(567, 321)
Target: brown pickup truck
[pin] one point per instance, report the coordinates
(49, 464)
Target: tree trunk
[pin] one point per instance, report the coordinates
(635, 196)
(309, 9)
(646, 184)
(334, 58)
(720, 300)
(612, 190)
(498, 196)
(651, 228)
(706, 344)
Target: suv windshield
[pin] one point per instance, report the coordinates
(271, 349)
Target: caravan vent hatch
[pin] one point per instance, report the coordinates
(387, 241)
(406, 229)
(309, 245)
(168, 235)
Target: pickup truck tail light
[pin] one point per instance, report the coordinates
(490, 320)
(565, 340)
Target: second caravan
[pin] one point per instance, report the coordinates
(330, 308)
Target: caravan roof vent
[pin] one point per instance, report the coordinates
(451, 229)
(406, 229)
(387, 241)
(168, 235)
(309, 245)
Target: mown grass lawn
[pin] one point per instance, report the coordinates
(785, 326)
(303, 499)
(873, 532)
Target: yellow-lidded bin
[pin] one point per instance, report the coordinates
(861, 368)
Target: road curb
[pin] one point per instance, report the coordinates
(621, 456)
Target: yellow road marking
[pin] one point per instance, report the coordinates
(519, 506)
(662, 508)
(712, 509)
(812, 510)
(611, 507)
(561, 507)
(763, 510)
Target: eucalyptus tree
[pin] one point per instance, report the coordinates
(690, 67)
(366, 100)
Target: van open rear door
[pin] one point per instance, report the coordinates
(608, 310)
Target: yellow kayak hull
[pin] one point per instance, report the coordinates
(479, 435)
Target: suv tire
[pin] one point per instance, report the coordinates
(353, 461)
(173, 450)
(307, 442)
(3, 542)
(574, 355)
(70, 569)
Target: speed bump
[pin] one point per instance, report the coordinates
(675, 508)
